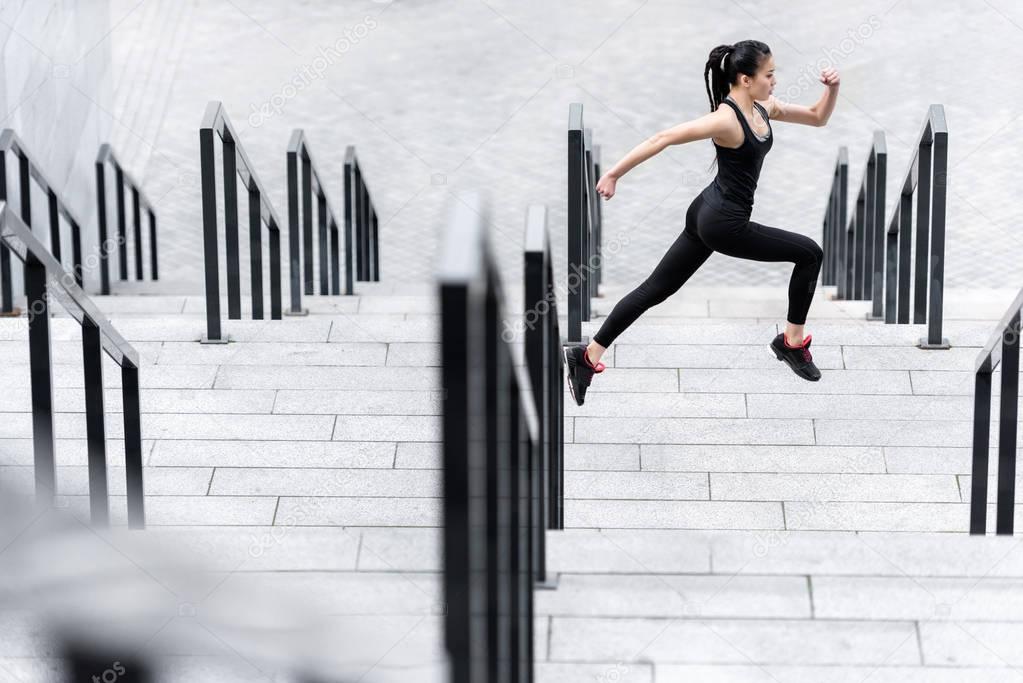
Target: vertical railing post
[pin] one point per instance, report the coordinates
(53, 211)
(256, 251)
(307, 221)
(321, 218)
(923, 228)
(209, 230)
(275, 271)
(335, 259)
(598, 232)
(538, 345)
(364, 224)
(6, 292)
(153, 260)
(122, 232)
(350, 209)
(576, 225)
(234, 288)
(41, 373)
(937, 272)
(981, 441)
(76, 253)
(136, 217)
(133, 445)
(294, 248)
(905, 254)
(374, 225)
(1007, 427)
(101, 215)
(878, 226)
(92, 361)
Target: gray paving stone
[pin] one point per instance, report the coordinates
(426, 303)
(927, 459)
(646, 404)
(819, 487)
(308, 481)
(419, 454)
(249, 453)
(566, 672)
(401, 549)
(628, 514)
(601, 456)
(971, 643)
(150, 377)
(692, 430)
(756, 458)
(666, 595)
(896, 358)
(657, 380)
(334, 378)
(864, 407)
(714, 356)
(179, 353)
(877, 516)
(387, 427)
(762, 641)
(157, 481)
(355, 329)
(958, 433)
(781, 380)
(636, 486)
(950, 382)
(358, 402)
(920, 598)
(628, 551)
(68, 452)
(359, 511)
(750, 673)
(178, 510)
(415, 354)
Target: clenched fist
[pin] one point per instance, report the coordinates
(606, 186)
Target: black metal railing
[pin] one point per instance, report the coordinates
(139, 202)
(326, 246)
(361, 224)
(492, 461)
(29, 169)
(584, 222)
(261, 212)
(545, 362)
(46, 277)
(927, 177)
(834, 233)
(1002, 348)
(858, 254)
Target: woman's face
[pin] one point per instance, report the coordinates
(762, 84)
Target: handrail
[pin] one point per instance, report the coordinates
(1001, 348)
(46, 277)
(330, 281)
(928, 178)
(140, 201)
(835, 216)
(261, 212)
(29, 168)
(864, 232)
(543, 345)
(360, 216)
(584, 216)
(491, 449)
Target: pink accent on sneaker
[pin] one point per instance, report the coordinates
(806, 340)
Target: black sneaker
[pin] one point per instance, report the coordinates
(580, 370)
(797, 357)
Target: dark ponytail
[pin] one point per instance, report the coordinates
(726, 62)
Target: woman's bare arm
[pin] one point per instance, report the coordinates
(707, 126)
(814, 115)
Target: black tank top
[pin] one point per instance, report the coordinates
(739, 168)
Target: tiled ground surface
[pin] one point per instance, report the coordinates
(727, 520)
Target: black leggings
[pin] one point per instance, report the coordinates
(729, 231)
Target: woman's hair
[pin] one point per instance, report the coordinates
(724, 65)
(726, 62)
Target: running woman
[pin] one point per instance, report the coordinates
(740, 81)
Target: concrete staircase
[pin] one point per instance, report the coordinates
(727, 521)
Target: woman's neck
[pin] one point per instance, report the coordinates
(744, 101)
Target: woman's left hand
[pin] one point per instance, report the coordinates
(829, 77)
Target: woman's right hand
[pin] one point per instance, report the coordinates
(606, 186)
